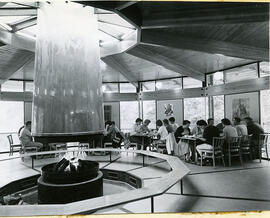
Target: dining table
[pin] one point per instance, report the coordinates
(144, 138)
(192, 142)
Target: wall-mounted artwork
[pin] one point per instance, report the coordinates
(242, 105)
(168, 109)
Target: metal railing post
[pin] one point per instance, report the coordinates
(152, 204)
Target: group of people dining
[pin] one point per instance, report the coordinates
(204, 132)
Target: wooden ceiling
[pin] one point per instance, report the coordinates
(192, 38)
(187, 38)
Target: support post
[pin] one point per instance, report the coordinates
(110, 156)
(143, 161)
(181, 187)
(152, 204)
(32, 157)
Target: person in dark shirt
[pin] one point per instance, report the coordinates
(168, 126)
(253, 128)
(182, 130)
(210, 131)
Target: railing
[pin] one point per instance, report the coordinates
(178, 171)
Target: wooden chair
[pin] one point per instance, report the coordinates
(263, 145)
(214, 153)
(234, 149)
(246, 145)
(13, 147)
(82, 146)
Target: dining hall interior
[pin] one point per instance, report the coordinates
(115, 107)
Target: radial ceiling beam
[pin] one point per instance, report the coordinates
(118, 65)
(161, 38)
(18, 41)
(124, 4)
(18, 11)
(170, 64)
(212, 14)
(25, 23)
(13, 60)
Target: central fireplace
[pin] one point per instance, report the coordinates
(69, 181)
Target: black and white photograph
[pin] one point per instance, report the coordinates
(133, 107)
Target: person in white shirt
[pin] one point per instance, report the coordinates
(241, 128)
(173, 124)
(136, 128)
(229, 131)
(162, 131)
(26, 137)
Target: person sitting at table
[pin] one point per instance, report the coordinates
(26, 137)
(183, 147)
(255, 130)
(173, 124)
(136, 128)
(162, 132)
(168, 126)
(182, 130)
(228, 130)
(144, 127)
(197, 131)
(241, 128)
(201, 124)
(114, 135)
(209, 133)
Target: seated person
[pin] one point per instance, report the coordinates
(255, 130)
(173, 124)
(116, 136)
(241, 128)
(136, 128)
(197, 131)
(144, 127)
(228, 130)
(26, 137)
(209, 133)
(162, 132)
(201, 125)
(182, 130)
(168, 126)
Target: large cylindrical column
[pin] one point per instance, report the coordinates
(68, 95)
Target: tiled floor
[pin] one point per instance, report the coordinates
(206, 188)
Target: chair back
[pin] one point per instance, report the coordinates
(234, 143)
(10, 139)
(218, 143)
(263, 139)
(246, 140)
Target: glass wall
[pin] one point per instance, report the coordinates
(169, 84)
(195, 109)
(218, 104)
(129, 112)
(12, 86)
(110, 87)
(191, 83)
(148, 86)
(149, 112)
(264, 69)
(28, 86)
(265, 110)
(127, 88)
(241, 73)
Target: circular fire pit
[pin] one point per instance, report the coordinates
(58, 185)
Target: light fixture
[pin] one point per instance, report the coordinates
(159, 85)
(103, 88)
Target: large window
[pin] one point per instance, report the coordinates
(148, 86)
(12, 86)
(264, 69)
(149, 112)
(218, 102)
(241, 73)
(129, 112)
(265, 109)
(110, 87)
(29, 86)
(169, 84)
(191, 83)
(127, 88)
(12, 116)
(195, 109)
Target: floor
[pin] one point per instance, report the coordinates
(207, 188)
